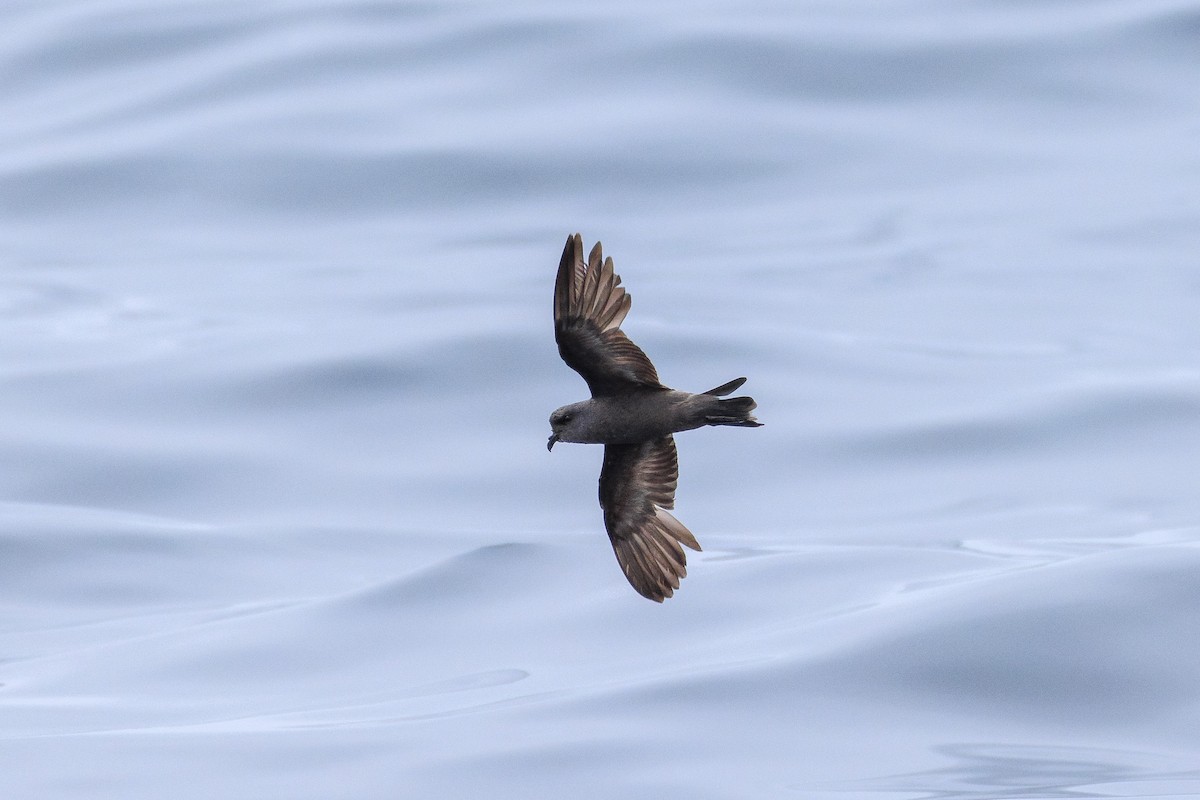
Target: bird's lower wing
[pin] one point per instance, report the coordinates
(637, 486)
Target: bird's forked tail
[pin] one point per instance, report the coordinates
(735, 410)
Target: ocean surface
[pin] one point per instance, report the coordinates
(277, 518)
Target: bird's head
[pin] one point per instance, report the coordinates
(567, 424)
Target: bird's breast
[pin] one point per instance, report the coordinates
(641, 416)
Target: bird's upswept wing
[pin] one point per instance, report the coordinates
(589, 306)
(637, 485)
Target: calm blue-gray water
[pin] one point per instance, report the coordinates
(277, 518)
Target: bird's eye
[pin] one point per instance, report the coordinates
(565, 418)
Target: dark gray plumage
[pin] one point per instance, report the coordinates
(634, 416)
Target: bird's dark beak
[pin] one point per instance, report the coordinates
(553, 439)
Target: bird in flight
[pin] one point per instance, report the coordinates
(634, 416)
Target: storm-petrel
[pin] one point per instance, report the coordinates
(633, 416)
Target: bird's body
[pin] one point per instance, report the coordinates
(637, 416)
(634, 416)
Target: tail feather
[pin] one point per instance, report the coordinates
(727, 388)
(734, 411)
